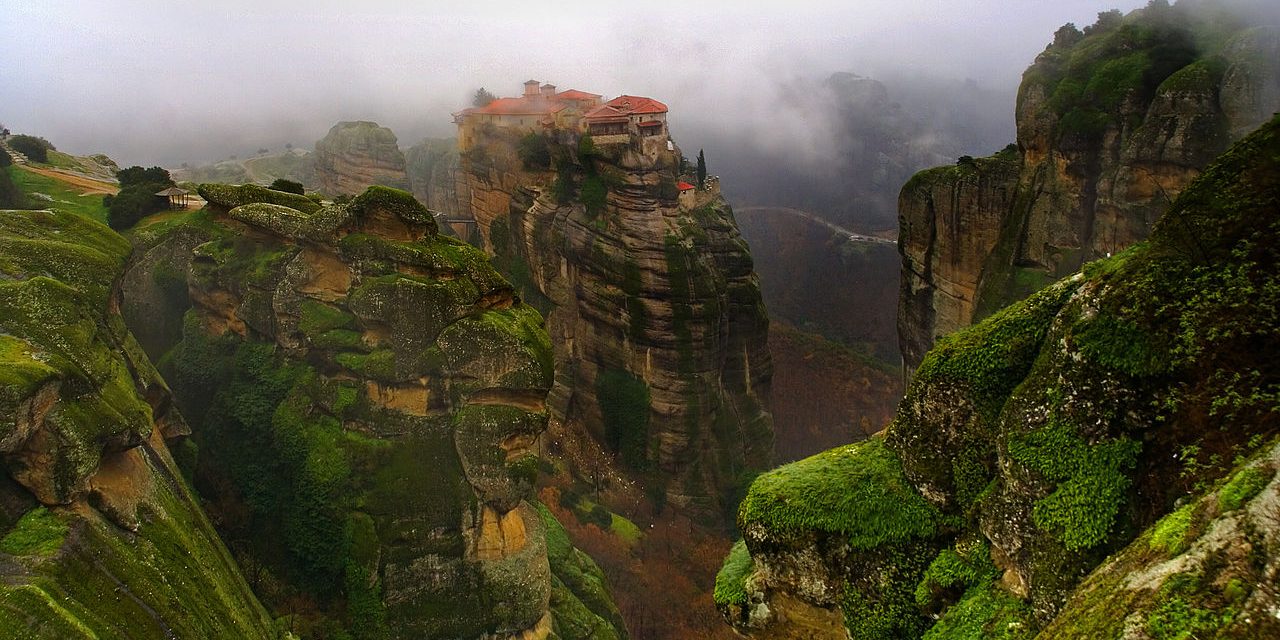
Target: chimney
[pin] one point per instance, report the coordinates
(548, 90)
(531, 88)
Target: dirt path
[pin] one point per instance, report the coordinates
(89, 185)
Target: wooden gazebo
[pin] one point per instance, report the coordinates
(177, 197)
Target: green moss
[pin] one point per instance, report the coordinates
(730, 581)
(857, 490)
(379, 365)
(880, 605)
(1090, 480)
(956, 569)
(991, 358)
(317, 317)
(581, 607)
(1243, 487)
(231, 196)
(39, 532)
(400, 203)
(1177, 617)
(1170, 533)
(985, 613)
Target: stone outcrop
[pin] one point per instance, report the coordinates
(356, 155)
(654, 311)
(371, 392)
(1112, 124)
(1096, 461)
(98, 530)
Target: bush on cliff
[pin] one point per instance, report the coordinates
(137, 198)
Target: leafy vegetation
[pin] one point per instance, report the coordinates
(593, 195)
(1091, 481)
(137, 198)
(36, 149)
(624, 406)
(288, 186)
(984, 613)
(1090, 77)
(956, 570)
(535, 152)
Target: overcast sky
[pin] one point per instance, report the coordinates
(167, 82)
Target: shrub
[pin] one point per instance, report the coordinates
(624, 405)
(288, 186)
(137, 198)
(34, 148)
(534, 152)
(593, 195)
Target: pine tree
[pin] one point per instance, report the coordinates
(702, 170)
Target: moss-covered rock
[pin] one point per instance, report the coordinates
(112, 538)
(230, 196)
(1054, 434)
(580, 603)
(370, 393)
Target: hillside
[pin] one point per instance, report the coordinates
(1097, 460)
(101, 532)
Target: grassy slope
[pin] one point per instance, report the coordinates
(65, 197)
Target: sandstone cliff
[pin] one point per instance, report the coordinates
(356, 155)
(99, 533)
(654, 311)
(365, 396)
(1112, 124)
(1096, 461)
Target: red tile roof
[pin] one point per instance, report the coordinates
(574, 94)
(683, 186)
(605, 112)
(637, 104)
(519, 107)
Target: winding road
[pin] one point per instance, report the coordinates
(835, 228)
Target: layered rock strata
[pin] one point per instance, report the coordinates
(1112, 124)
(653, 308)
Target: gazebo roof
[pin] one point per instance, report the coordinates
(173, 191)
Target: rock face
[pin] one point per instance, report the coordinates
(1112, 124)
(432, 166)
(1096, 461)
(356, 155)
(365, 395)
(99, 531)
(654, 312)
